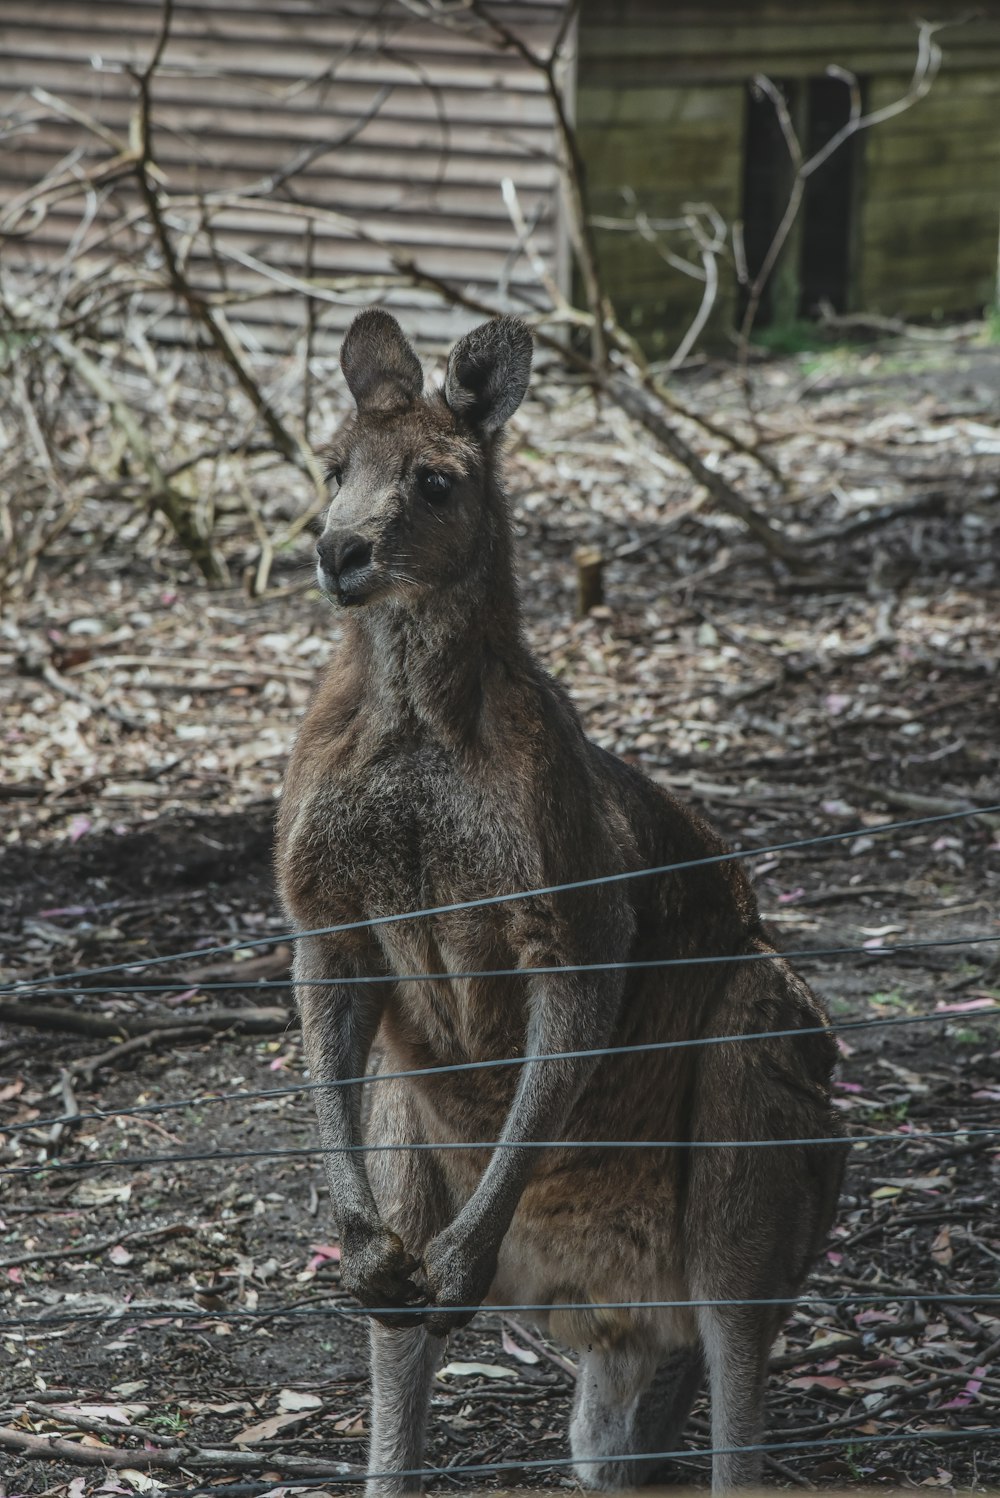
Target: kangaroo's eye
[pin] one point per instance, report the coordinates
(434, 486)
(335, 475)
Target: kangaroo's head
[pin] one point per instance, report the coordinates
(414, 502)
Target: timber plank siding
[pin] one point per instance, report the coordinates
(421, 123)
(664, 114)
(242, 89)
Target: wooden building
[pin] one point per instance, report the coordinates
(410, 127)
(356, 106)
(903, 220)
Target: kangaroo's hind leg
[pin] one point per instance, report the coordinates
(414, 1202)
(626, 1408)
(737, 1342)
(403, 1366)
(758, 1210)
(609, 1384)
(663, 1410)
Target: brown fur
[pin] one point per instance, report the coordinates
(438, 764)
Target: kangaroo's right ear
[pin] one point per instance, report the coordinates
(379, 364)
(488, 372)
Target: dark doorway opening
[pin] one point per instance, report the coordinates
(815, 265)
(825, 256)
(767, 180)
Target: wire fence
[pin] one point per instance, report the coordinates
(138, 1311)
(548, 1463)
(269, 1094)
(484, 901)
(365, 980)
(904, 1136)
(449, 1146)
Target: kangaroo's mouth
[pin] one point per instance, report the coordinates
(352, 588)
(351, 594)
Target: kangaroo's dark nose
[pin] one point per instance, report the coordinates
(342, 555)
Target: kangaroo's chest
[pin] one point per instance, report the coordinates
(402, 832)
(406, 836)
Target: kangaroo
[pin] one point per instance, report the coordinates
(438, 764)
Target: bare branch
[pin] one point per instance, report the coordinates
(212, 320)
(572, 177)
(164, 497)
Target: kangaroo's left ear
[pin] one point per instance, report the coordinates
(488, 372)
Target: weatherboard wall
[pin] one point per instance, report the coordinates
(243, 88)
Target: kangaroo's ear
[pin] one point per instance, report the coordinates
(488, 372)
(379, 364)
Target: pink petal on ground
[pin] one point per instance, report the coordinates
(968, 1394)
(180, 998)
(325, 1251)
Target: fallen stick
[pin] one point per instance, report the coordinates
(51, 676)
(88, 1066)
(93, 1427)
(79, 1250)
(860, 1342)
(174, 1457)
(915, 801)
(253, 1021)
(531, 1339)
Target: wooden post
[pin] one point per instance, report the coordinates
(589, 579)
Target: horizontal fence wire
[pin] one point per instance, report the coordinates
(270, 1094)
(153, 1311)
(542, 1463)
(421, 1146)
(484, 901)
(364, 980)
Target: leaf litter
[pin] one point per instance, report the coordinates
(137, 822)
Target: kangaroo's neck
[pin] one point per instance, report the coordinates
(436, 668)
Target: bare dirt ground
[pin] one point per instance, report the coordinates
(180, 1320)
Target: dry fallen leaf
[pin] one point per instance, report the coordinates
(350, 1425)
(208, 1406)
(941, 1249)
(141, 1481)
(476, 1370)
(266, 1429)
(100, 1193)
(523, 1354)
(116, 1414)
(292, 1401)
